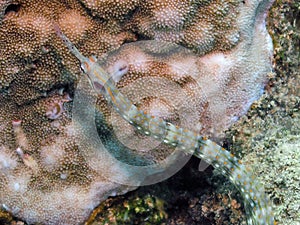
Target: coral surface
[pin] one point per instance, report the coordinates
(269, 136)
(46, 174)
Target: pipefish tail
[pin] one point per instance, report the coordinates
(257, 205)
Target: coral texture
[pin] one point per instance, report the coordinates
(46, 172)
(269, 135)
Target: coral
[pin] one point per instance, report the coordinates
(36, 64)
(48, 171)
(203, 26)
(109, 9)
(6, 217)
(134, 209)
(186, 198)
(284, 178)
(269, 134)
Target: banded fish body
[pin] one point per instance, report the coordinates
(257, 205)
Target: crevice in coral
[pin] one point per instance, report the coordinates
(12, 8)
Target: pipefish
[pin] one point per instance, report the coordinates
(257, 205)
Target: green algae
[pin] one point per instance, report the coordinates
(5, 217)
(144, 210)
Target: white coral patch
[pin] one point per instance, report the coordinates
(169, 17)
(39, 23)
(183, 66)
(70, 130)
(51, 155)
(137, 59)
(7, 162)
(63, 176)
(218, 65)
(72, 22)
(18, 183)
(216, 61)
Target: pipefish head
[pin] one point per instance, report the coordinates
(87, 64)
(97, 76)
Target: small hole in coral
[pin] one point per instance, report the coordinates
(12, 8)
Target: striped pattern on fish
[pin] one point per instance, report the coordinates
(257, 205)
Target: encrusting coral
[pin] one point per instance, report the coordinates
(47, 174)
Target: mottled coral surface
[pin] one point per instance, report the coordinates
(47, 175)
(267, 137)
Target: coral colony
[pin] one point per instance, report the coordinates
(47, 174)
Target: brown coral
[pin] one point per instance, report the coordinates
(44, 162)
(111, 9)
(203, 26)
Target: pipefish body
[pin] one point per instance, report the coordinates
(257, 205)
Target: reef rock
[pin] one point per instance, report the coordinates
(48, 171)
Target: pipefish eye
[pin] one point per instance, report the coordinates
(85, 67)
